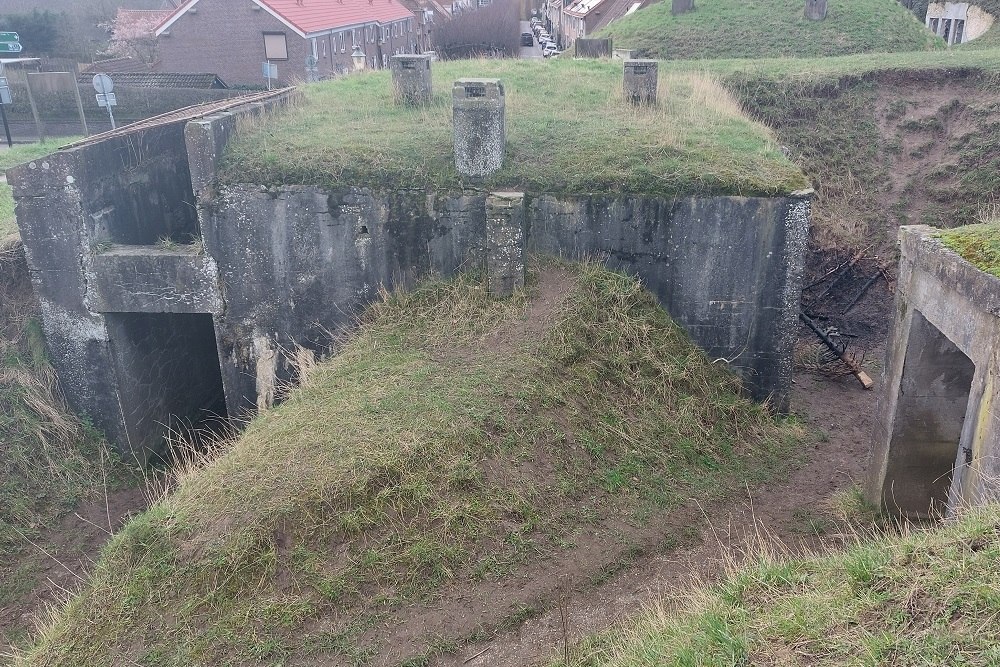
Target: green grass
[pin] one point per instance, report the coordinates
(770, 28)
(568, 131)
(452, 440)
(924, 598)
(11, 157)
(977, 244)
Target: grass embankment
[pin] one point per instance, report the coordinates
(769, 29)
(901, 144)
(9, 158)
(568, 130)
(48, 458)
(454, 441)
(924, 598)
(977, 244)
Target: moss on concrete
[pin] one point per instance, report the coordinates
(977, 244)
(569, 130)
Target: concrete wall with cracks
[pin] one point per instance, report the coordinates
(276, 269)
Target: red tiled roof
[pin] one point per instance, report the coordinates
(313, 16)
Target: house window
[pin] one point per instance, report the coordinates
(343, 43)
(946, 33)
(933, 25)
(371, 36)
(959, 31)
(275, 46)
(354, 38)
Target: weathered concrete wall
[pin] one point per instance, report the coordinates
(937, 433)
(298, 261)
(90, 219)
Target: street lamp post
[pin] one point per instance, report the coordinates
(358, 56)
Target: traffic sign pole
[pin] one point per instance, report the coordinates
(6, 125)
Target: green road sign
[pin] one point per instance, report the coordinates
(9, 37)
(10, 47)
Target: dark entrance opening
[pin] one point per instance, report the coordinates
(927, 427)
(170, 378)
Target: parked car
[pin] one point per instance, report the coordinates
(527, 39)
(549, 51)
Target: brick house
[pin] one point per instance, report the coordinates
(232, 38)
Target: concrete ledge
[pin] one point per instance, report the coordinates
(143, 279)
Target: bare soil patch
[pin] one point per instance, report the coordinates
(54, 566)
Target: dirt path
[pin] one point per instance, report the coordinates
(789, 511)
(58, 561)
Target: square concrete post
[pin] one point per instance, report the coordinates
(640, 80)
(681, 6)
(815, 10)
(504, 243)
(411, 79)
(479, 127)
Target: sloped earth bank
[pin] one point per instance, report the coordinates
(40, 575)
(801, 514)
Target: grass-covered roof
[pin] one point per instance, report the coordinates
(568, 131)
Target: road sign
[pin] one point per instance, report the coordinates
(106, 100)
(103, 83)
(10, 47)
(9, 37)
(269, 70)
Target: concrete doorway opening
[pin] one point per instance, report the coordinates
(171, 382)
(927, 430)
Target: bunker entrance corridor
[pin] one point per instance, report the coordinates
(931, 407)
(168, 366)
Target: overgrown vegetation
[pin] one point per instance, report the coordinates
(49, 458)
(923, 598)
(568, 128)
(454, 440)
(493, 30)
(978, 244)
(769, 29)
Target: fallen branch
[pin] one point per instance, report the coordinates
(861, 293)
(856, 370)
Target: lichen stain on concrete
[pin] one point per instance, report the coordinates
(266, 362)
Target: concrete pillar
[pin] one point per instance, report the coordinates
(920, 417)
(681, 6)
(815, 10)
(411, 79)
(479, 127)
(504, 243)
(640, 80)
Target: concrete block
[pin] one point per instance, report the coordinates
(816, 10)
(504, 242)
(411, 79)
(640, 81)
(479, 127)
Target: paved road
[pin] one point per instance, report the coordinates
(533, 51)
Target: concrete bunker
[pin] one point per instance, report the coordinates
(936, 436)
(957, 22)
(275, 269)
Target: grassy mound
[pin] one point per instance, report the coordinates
(453, 443)
(568, 130)
(927, 598)
(769, 29)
